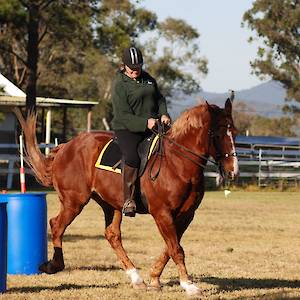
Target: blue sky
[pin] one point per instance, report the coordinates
(222, 40)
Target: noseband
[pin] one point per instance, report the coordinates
(213, 140)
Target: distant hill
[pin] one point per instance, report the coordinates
(266, 98)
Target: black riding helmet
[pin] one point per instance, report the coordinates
(133, 58)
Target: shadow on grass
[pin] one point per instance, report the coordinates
(62, 287)
(79, 237)
(236, 284)
(229, 284)
(98, 268)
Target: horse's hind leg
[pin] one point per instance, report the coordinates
(69, 210)
(113, 219)
(157, 268)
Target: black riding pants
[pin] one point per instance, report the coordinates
(128, 142)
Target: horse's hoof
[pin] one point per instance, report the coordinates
(139, 286)
(50, 267)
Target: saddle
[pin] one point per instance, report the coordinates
(110, 158)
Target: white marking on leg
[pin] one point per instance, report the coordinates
(189, 287)
(134, 276)
(235, 160)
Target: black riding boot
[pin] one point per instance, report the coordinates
(129, 178)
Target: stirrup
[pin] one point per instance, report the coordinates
(128, 211)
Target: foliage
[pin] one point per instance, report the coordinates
(243, 115)
(248, 122)
(272, 126)
(120, 23)
(79, 47)
(180, 65)
(277, 24)
(13, 41)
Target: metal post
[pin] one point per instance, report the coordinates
(43, 124)
(64, 124)
(89, 120)
(104, 121)
(48, 131)
(259, 167)
(10, 173)
(22, 170)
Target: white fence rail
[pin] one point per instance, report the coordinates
(9, 162)
(262, 162)
(269, 162)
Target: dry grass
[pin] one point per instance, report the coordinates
(244, 247)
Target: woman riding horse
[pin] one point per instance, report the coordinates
(137, 105)
(201, 132)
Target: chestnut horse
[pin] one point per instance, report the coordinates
(203, 131)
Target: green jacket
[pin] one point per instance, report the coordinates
(135, 101)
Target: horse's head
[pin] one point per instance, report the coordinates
(222, 140)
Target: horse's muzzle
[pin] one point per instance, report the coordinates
(231, 175)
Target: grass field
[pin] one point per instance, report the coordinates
(246, 246)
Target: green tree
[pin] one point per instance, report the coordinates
(25, 24)
(177, 64)
(277, 24)
(121, 23)
(79, 49)
(272, 126)
(243, 116)
(247, 121)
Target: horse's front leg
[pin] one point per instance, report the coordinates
(157, 268)
(113, 219)
(167, 228)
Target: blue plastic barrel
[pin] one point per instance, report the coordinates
(27, 232)
(3, 246)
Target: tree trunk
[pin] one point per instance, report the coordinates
(32, 56)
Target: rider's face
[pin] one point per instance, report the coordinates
(133, 74)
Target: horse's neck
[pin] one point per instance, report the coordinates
(195, 146)
(196, 140)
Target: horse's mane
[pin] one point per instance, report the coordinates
(191, 118)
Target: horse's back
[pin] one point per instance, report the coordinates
(79, 154)
(88, 140)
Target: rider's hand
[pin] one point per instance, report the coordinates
(165, 119)
(151, 123)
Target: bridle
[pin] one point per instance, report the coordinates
(161, 132)
(219, 153)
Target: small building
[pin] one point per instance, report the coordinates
(11, 97)
(14, 97)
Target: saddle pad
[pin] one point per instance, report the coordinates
(111, 154)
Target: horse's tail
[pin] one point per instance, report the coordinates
(40, 164)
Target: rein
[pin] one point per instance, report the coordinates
(161, 132)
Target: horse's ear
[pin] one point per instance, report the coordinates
(208, 106)
(228, 107)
